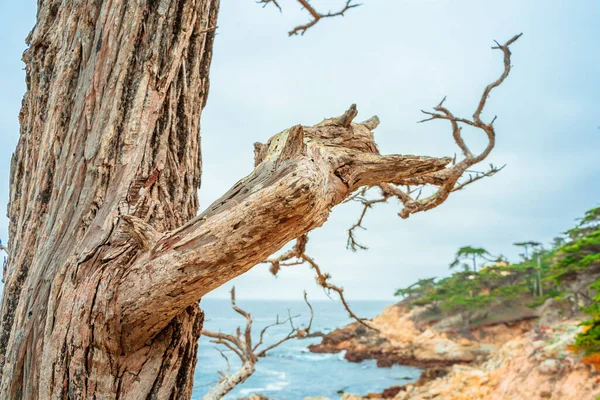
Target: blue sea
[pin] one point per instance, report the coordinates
(290, 371)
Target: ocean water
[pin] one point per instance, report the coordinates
(290, 371)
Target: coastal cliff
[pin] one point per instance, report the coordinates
(523, 358)
(405, 337)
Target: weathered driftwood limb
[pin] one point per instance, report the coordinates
(241, 345)
(447, 180)
(303, 172)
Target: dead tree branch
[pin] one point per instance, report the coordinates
(297, 256)
(267, 2)
(314, 14)
(241, 345)
(449, 179)
(301, 173)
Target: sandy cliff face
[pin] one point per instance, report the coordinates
(536, 365)
(522, 360)
(402, 341)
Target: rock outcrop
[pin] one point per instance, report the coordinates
(524, 360)
(536, 365)
(404, 339)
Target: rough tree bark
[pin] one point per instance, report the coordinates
(107, 258)
(109, 126)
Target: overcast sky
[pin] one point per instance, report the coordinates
(393, 58)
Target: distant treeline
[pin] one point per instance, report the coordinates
(568, 272)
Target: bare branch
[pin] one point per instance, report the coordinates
(228, 341)
(312, 313)
(368, 169)
(322, 280)
(352, 243)
(266, 2)
(226, 373)
(387, 191)
(247, 331)
(242, 346)
(316, 16)
(299, 252)
(506, 50)
(447, 180)
(477, 175)
(265, 329)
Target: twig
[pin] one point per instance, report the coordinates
(224, 375)
(316, 16)
(241, 345)
(298, 252)
(266, 2)
(352, 244)
(446, 180)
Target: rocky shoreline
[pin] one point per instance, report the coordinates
(526, 357)
(402, 339)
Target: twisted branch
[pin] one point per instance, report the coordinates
(301, 173)
(267, 2)
(447, 180)
(297, 256)
(314, 14)
(241, 345)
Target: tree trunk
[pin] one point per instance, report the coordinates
(109, 126)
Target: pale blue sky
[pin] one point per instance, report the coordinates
(394, 58)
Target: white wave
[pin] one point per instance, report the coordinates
(280, 382)
(279, 374)
(315, 357)
(275, 387)
(304, 355)
(270, 387)
(245, 392)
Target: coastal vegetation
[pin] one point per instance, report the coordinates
(567, 273)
